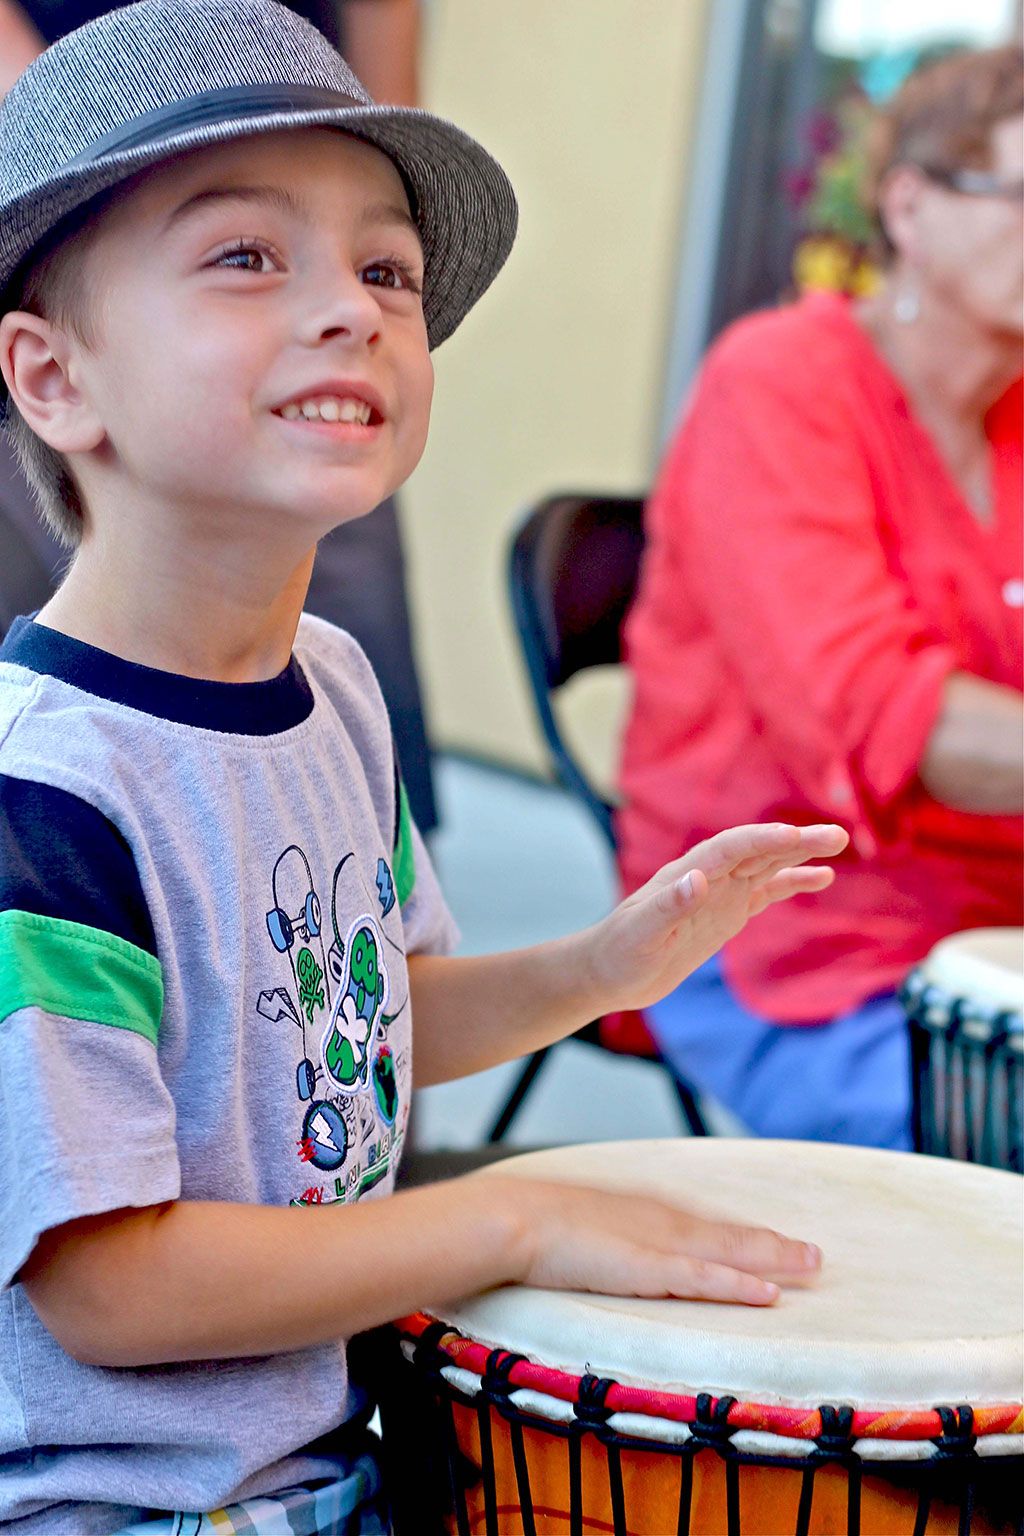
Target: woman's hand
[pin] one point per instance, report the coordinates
(675, 922)
(579, 1239)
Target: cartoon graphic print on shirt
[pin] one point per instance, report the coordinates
(384, 1085)
(293, 924)
(358, 1008)
(352, 1122)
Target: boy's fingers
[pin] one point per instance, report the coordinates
(815, 843)
(692, 1279)
(793, 882)
(725, 852)
(825, 836)
(755, 1250)
(745, 850)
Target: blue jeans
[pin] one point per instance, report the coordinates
(846, 1079)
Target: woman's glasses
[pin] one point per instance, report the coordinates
(975, 183)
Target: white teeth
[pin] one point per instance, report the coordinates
(329, 408)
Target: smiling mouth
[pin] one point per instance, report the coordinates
(331, 408)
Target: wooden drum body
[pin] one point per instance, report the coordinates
(883, 1399)
(965, 1007)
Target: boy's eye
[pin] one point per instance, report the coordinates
(247, 256)
(390, 274)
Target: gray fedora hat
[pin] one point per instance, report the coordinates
(162, 77)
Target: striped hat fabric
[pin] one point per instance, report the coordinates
(163, 77)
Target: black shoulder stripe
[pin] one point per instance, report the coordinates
(61, 857)
(398, 796)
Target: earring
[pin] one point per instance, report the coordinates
(907, 305)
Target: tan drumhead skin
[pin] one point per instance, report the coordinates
(984, 965)
(919, 1302)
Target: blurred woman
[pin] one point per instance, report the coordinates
(829, 624)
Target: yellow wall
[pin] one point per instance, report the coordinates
(554, 381)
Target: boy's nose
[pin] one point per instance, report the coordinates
(346, 308)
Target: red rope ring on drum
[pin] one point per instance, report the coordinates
(681, 1408)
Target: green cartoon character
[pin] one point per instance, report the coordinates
(347, 1041)
(310, 979)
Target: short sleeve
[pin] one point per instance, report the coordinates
(773, 507)
(428, 925)
(86, 1121)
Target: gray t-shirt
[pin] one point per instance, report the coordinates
(207, 894)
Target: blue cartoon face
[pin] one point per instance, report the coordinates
(324, 1136)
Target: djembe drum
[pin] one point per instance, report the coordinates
(965, 1008)
(884, 1398)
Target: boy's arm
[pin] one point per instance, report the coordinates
(194, 1280)
(470, 1013)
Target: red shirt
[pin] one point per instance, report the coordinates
(813, 575)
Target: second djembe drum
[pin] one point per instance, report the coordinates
(965, 1009)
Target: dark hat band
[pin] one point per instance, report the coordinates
(211, 107)
(155, 79)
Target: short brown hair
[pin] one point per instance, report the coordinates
(52, 286)
(943, 115)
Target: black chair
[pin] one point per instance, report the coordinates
(573, 571)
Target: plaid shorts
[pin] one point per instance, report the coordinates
(352, 1505)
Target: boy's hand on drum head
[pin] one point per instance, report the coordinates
(578, 1239)
(682, 916)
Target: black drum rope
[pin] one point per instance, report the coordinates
(495, 1388)
(951, 1474)
(967, 1077)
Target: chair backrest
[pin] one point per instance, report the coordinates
(573, 570)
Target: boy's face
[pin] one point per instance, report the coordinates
(240, 288)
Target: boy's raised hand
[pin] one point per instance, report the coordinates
(671, 925)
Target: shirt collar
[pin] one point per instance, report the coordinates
(245, 709)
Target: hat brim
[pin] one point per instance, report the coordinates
(464, 205)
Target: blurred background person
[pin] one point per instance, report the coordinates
(359, 577)
(828, 624)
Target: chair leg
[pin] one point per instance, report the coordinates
(695, 1122)
(523, 1083)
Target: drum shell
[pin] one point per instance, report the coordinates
(477, 1464)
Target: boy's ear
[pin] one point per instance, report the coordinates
(36, 359)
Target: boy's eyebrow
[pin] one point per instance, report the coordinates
(391, 213)
(280, 197)
(274, 197)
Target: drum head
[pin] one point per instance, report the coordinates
(984, 966)
(918, 1302)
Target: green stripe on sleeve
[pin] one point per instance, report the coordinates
(403, 860)
(78, 972)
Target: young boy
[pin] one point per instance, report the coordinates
(224, 270)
